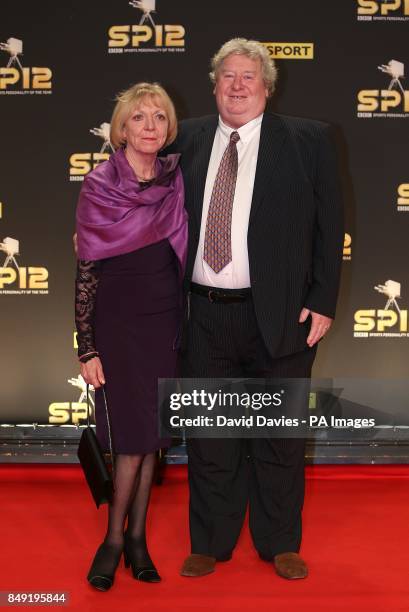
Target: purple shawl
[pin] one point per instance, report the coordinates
(114, 216)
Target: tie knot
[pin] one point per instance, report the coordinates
(234, 137)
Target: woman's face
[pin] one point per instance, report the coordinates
(146, 129)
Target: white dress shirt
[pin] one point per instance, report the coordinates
(236, 274)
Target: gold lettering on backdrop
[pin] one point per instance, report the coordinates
(29, 78)
(136, 35)
(371, 7)
(347, 245)
(370, 100)
(290, 50)
(381, 320)
(82, 163)
(28, 278)
(68, 412)
(403, 193)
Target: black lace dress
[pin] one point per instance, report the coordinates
(128, 309)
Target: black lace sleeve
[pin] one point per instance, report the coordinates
(86, 284)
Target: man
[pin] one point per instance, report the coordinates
(265, 246)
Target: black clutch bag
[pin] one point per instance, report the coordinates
(92, 460)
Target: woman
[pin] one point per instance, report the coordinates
(132, 238)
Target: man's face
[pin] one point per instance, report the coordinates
(240, 91)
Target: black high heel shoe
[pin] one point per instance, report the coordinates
(102, 572)
(145, 572)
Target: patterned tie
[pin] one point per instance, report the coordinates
(217, 242)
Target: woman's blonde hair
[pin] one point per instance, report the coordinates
(252, 49)
(127, 101)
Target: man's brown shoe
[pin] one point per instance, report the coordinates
(290, 565)
(198, 565)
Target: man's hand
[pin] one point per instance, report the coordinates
(74, 240)
(92, 372)
(320, 324)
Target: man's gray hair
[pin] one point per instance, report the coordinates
(250, 48)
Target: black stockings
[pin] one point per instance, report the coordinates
(132, 482)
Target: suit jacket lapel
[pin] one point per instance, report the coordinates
(272, 138)
(203, 144)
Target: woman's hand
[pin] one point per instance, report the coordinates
(92, 372)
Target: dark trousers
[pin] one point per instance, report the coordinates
(227, 474)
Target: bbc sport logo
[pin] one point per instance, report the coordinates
(146, 36)
(382, 10)
(385, 103)
(82, 163)
(290, 50)
(391, 321)
(20, 280)
(18, 79)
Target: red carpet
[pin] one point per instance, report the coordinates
(356, 530)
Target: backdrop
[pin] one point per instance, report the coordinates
(61, 65)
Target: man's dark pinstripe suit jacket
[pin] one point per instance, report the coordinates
(295, 233)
